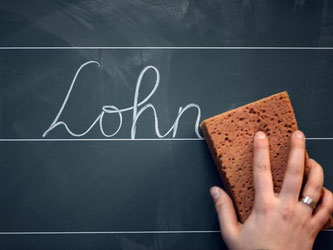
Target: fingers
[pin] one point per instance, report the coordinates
(324, 210)
(293, 178)
(226, 212)
(314, 185)
(262, 176)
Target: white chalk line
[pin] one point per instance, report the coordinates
(113, 232)
(120, 139)
(318, 138)
(110, 109)
(100, 139)
(166, 48)
(121, 232)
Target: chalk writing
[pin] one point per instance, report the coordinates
(138, 108)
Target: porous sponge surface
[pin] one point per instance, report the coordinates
(230, 139)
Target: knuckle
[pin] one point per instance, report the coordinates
(221, 205)
(320, 169)
(323, 219)
(287, 213)
(266, 207)
(315, 186)
(327, 214)
(330, 203)
(327, 201)
(295, 168)
(261, 166)
(303, 221)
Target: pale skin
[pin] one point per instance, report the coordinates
(277, 221)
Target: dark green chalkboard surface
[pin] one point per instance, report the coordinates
(100, 103)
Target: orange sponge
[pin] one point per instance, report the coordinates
(230, 140)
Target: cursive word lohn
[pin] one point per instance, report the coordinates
(138, 108)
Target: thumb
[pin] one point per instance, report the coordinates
(225, 212)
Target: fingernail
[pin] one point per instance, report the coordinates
(215, 193)
(260, 135)
(299, 134)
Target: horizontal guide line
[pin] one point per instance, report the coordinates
(120, 232)
(168, 47)
(318, 138)
(121, 139)
(114, 232)
(100, 139)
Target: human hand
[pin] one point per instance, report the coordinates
(277, 221)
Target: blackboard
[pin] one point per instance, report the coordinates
(77, 188)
